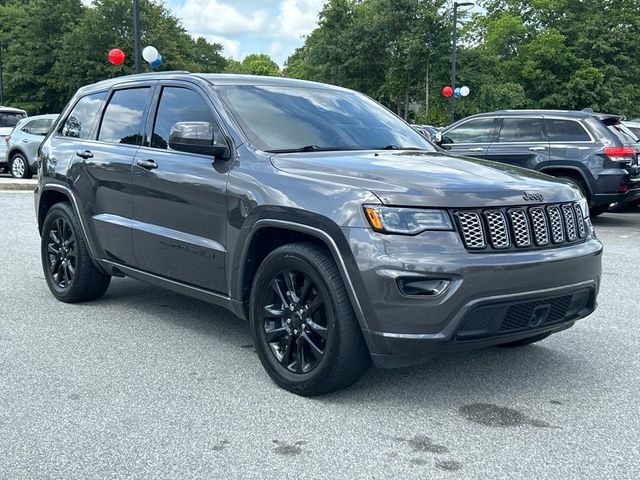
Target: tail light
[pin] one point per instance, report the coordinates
(620, 154)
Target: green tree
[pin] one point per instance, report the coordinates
(254, 64)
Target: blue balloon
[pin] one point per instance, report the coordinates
(158, 61)
(456, 92)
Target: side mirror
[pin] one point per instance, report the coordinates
(197, 137)
(437, 138)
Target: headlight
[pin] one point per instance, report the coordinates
(409, 221)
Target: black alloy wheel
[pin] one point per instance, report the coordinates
(304, 329)
(67, 265)
(61, 249)
(294, 319)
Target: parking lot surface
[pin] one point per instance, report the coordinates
(148, 384)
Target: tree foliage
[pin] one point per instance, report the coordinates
(45, 61)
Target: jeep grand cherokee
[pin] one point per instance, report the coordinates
(335, 229)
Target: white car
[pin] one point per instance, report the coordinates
(634, 126)
(9, 117)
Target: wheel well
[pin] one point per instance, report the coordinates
(264, 242)
(47, 200)
(13, 152)
(566, 172)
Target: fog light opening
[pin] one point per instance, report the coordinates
(424, 287)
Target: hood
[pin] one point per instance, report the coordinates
(433, 179)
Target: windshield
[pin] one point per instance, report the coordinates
(285, 119)
(10, 119)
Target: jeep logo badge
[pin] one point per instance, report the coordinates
(533, 196)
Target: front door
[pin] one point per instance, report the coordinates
(179, 203)
(520, 142)
(470, 138)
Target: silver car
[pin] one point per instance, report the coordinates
(22, 145)
(9, 117)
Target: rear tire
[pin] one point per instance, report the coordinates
(68, 269)
(594, 210)
(19, 167)
(316, 346)
(525, 341)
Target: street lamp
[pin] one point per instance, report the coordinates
(136, 34)
(454, 38)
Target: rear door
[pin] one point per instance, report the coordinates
(105, 164)
(569, 142)
(470, 138)
(33, 134)
(179, 199)
(521, 141)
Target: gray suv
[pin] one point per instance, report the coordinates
(589, 150)
(23, 142)
(311, 211)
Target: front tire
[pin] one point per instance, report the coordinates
(302, 322)
(19, 167)
(68, 269)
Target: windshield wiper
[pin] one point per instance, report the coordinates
(312, 148)
(395, 147)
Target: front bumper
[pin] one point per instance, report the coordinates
(403, 330)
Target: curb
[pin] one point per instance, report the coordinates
(17, 186)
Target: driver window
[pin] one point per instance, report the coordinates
(177, 105)
(473, 131)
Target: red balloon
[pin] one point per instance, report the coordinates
(116, 56)
(447, 91)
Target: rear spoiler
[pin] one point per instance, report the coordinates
(609, 119)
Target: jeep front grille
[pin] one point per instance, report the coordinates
(521, 227)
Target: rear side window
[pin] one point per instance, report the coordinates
(521, 130)
(10, 119)
(178, 105)
(38, 127)
(566, 131)
(474, 131)
(79, 122)
(122, 119)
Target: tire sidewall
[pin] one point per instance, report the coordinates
(274, 263)
(57, 211)
(15, 157)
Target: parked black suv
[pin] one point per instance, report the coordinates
(589, 150)
(338, 231)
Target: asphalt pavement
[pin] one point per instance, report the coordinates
(148, 384)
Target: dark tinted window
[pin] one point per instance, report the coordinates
(276, 118)
(79, 122)
(479, 130)
(38, 127)
(10, 119)
(178, 105)
(566, 131)
(122, 120)
(521, 130)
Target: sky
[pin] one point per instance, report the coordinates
(274, 27)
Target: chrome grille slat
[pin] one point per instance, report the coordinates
(498, 229)
(522, 227)
(557, 227)
(472, 229)
(582, 229)
(569, 222)
(540, 226)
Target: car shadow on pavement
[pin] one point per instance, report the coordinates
(177, 309)
(460, 377)
(618, 219)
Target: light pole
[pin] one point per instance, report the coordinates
(136, 34)
(454, 39)
(1, 85)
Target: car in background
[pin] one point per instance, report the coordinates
(633, 126)
(592, 151)
(427, 131)
(9, 117)
(23, 142)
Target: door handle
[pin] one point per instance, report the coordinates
(25, 140)
(537, 149)
(148, 164)
(84, 154)
(479, 149)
